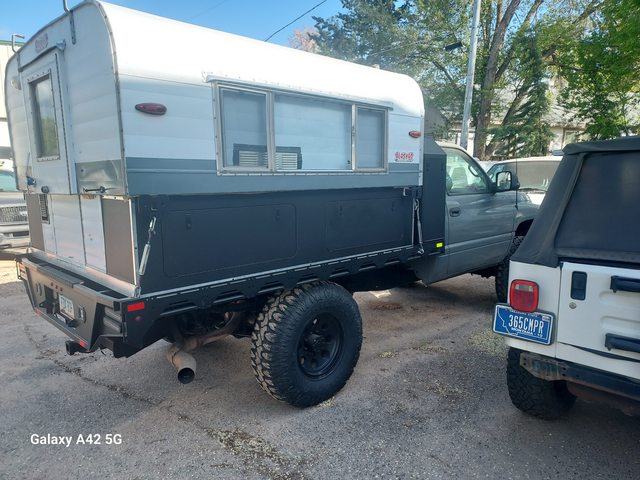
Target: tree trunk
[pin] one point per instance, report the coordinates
(483, 120)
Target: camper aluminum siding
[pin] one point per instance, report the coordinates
(224, 209)
(121, 58)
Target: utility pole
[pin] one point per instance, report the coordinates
(471, 69)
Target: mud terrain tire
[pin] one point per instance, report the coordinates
(306, 343)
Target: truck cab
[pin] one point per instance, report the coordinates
(485, 220)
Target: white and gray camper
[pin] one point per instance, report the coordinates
(184, 183)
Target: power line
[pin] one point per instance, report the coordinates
(207, 10)
(295, 20)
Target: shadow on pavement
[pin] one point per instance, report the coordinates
(11, 253)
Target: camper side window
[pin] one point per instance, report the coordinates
(244, 129)
(318, 129)
(290, 132)
(46, 131)
(370, 138)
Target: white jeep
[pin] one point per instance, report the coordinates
(572, 321)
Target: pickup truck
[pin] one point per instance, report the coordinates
(191, 199)
(484, 226)
(14, 229)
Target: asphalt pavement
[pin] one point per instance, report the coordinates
(428, 399)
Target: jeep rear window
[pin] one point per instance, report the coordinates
(601, 219)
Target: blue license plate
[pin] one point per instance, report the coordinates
(533, 327)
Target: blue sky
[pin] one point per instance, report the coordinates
(252, 18)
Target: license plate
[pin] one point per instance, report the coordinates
(66, 306)
(533, 327)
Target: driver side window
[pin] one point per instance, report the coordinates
(463, 175)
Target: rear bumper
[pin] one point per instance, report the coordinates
(97, 320)
(549, 368)
(12, 236)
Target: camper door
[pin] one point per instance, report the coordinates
(49, 162)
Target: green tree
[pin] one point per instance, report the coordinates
(602, 68)
(524, 130)
(409, 37)
(406, 37)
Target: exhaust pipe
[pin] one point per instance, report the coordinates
(178, 353)
(183, 362)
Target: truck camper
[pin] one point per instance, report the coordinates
(215, 185)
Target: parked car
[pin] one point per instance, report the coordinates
(573, 317)
(14, 229)
(534, 174)
(487, 164)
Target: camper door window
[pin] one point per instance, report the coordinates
(44, 119)
(283, 132)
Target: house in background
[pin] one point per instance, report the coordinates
(564, 127)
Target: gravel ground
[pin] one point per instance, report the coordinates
(428, 399)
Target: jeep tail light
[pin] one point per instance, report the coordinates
(523, 295)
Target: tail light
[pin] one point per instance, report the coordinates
(523, 295)
(134, 307)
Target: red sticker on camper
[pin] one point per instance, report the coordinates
(404, 156)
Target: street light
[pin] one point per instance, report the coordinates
(471, 68)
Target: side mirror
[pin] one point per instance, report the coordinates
(506, 181)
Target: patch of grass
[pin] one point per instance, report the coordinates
(488, 342)
(427, 347)
(388, 354)
(384, 306)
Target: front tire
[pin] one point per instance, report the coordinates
(540, 398)
(306, 343)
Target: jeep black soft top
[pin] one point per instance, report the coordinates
(590, 212)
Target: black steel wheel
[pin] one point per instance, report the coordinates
(319, 346)
(306, 343)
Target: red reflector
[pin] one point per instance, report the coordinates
(415, 134)
(151, 108)
(82, 343)
(134, 307)
(523, 295)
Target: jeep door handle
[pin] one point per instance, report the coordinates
(625, 284)
(622, 343)
(454, 212)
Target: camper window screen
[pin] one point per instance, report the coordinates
(370, 139)
(319, 130)
(244, 129)
(46, 131)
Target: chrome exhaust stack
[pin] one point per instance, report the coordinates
(184, 363)
(179, 352)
